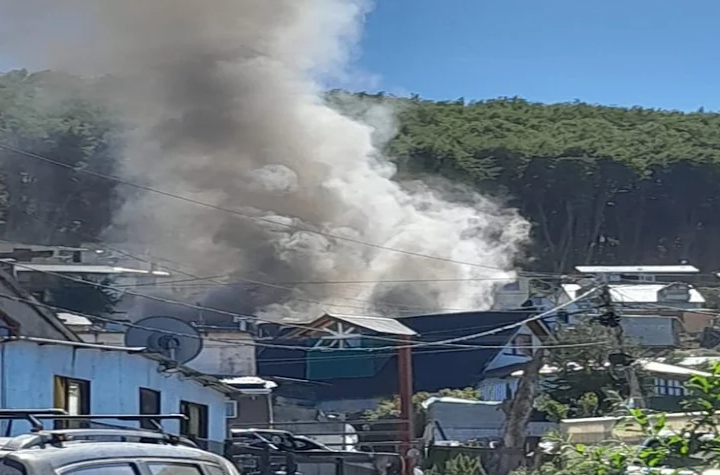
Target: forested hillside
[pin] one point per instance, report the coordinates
(600, 184)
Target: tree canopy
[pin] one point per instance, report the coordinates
(601, 185)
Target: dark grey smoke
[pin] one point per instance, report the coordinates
(221, 99)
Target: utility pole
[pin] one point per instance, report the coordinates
(610, 319)
(405, 377)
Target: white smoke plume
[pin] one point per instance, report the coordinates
(223, 104)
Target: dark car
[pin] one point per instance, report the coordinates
(105, 451)
(285, 452)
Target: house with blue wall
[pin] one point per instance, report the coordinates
(85, 378)
(44, 364)
(341, 363)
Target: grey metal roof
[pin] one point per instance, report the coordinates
(84, 269)
(385, 326)
(677, 269)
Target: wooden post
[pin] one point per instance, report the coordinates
(405, 378)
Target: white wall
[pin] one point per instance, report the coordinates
(27, 373)
(226, 353)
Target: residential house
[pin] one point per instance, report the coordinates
(652, 314)
(251, 405)
(348, 363)
(664, 382)
(84, 378)
(44, 364)
(21, 314)
(640, 273)
(452, 421)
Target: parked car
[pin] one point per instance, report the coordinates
(104, 451)
(284, 451)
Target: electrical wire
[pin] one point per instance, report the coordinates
(238, 213)
(287, 347)
(400, 308)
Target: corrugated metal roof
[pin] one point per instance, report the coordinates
(386, 326)
(635, 293)
(678, 269)
(85, 269)
(644, 293)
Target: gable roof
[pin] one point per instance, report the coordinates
(379, 325)
(434, 367)
(30, 318)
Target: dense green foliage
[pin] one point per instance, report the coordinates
(600, 184)
(53, 115)
(694, 447)
(584, 384)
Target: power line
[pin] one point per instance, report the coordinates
(398, 307)
(508, 327)
(237, 212)
(302, 348)
(426, 352)
(199, 307)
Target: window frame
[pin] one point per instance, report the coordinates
(204, 423)
(62, 400)
(526, 349)
(100, 464)
(233, 414)
(147, 391)
(170, 463)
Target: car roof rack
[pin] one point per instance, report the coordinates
(40, 436)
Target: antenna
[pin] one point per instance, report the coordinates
(171, 337)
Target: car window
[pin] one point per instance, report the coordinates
(11, 468)
(169, 468)
(104, 469)
(213, 470)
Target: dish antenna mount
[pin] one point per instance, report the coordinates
(171, 337)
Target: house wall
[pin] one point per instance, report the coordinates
(233, 356)
(497, 389)
(34, 321)
(27, 372)
(506, 357)
(251, 409)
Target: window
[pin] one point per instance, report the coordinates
(214, 470)
(511, 287)
(73, 395)
(104, 469)
(231, 409)
(521, 345)
(149, 404)
(196, 426)
(169, 468)
(669, 387)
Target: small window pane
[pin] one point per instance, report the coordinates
(115, 469)
(174, 469)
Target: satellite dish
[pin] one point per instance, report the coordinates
(168, 336)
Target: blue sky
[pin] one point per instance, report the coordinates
(654, 53)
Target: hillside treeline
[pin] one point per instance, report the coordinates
(600, 184)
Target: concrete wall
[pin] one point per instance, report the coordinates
(27, 373)
(233, 355)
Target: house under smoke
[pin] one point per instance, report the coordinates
(347, 363)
